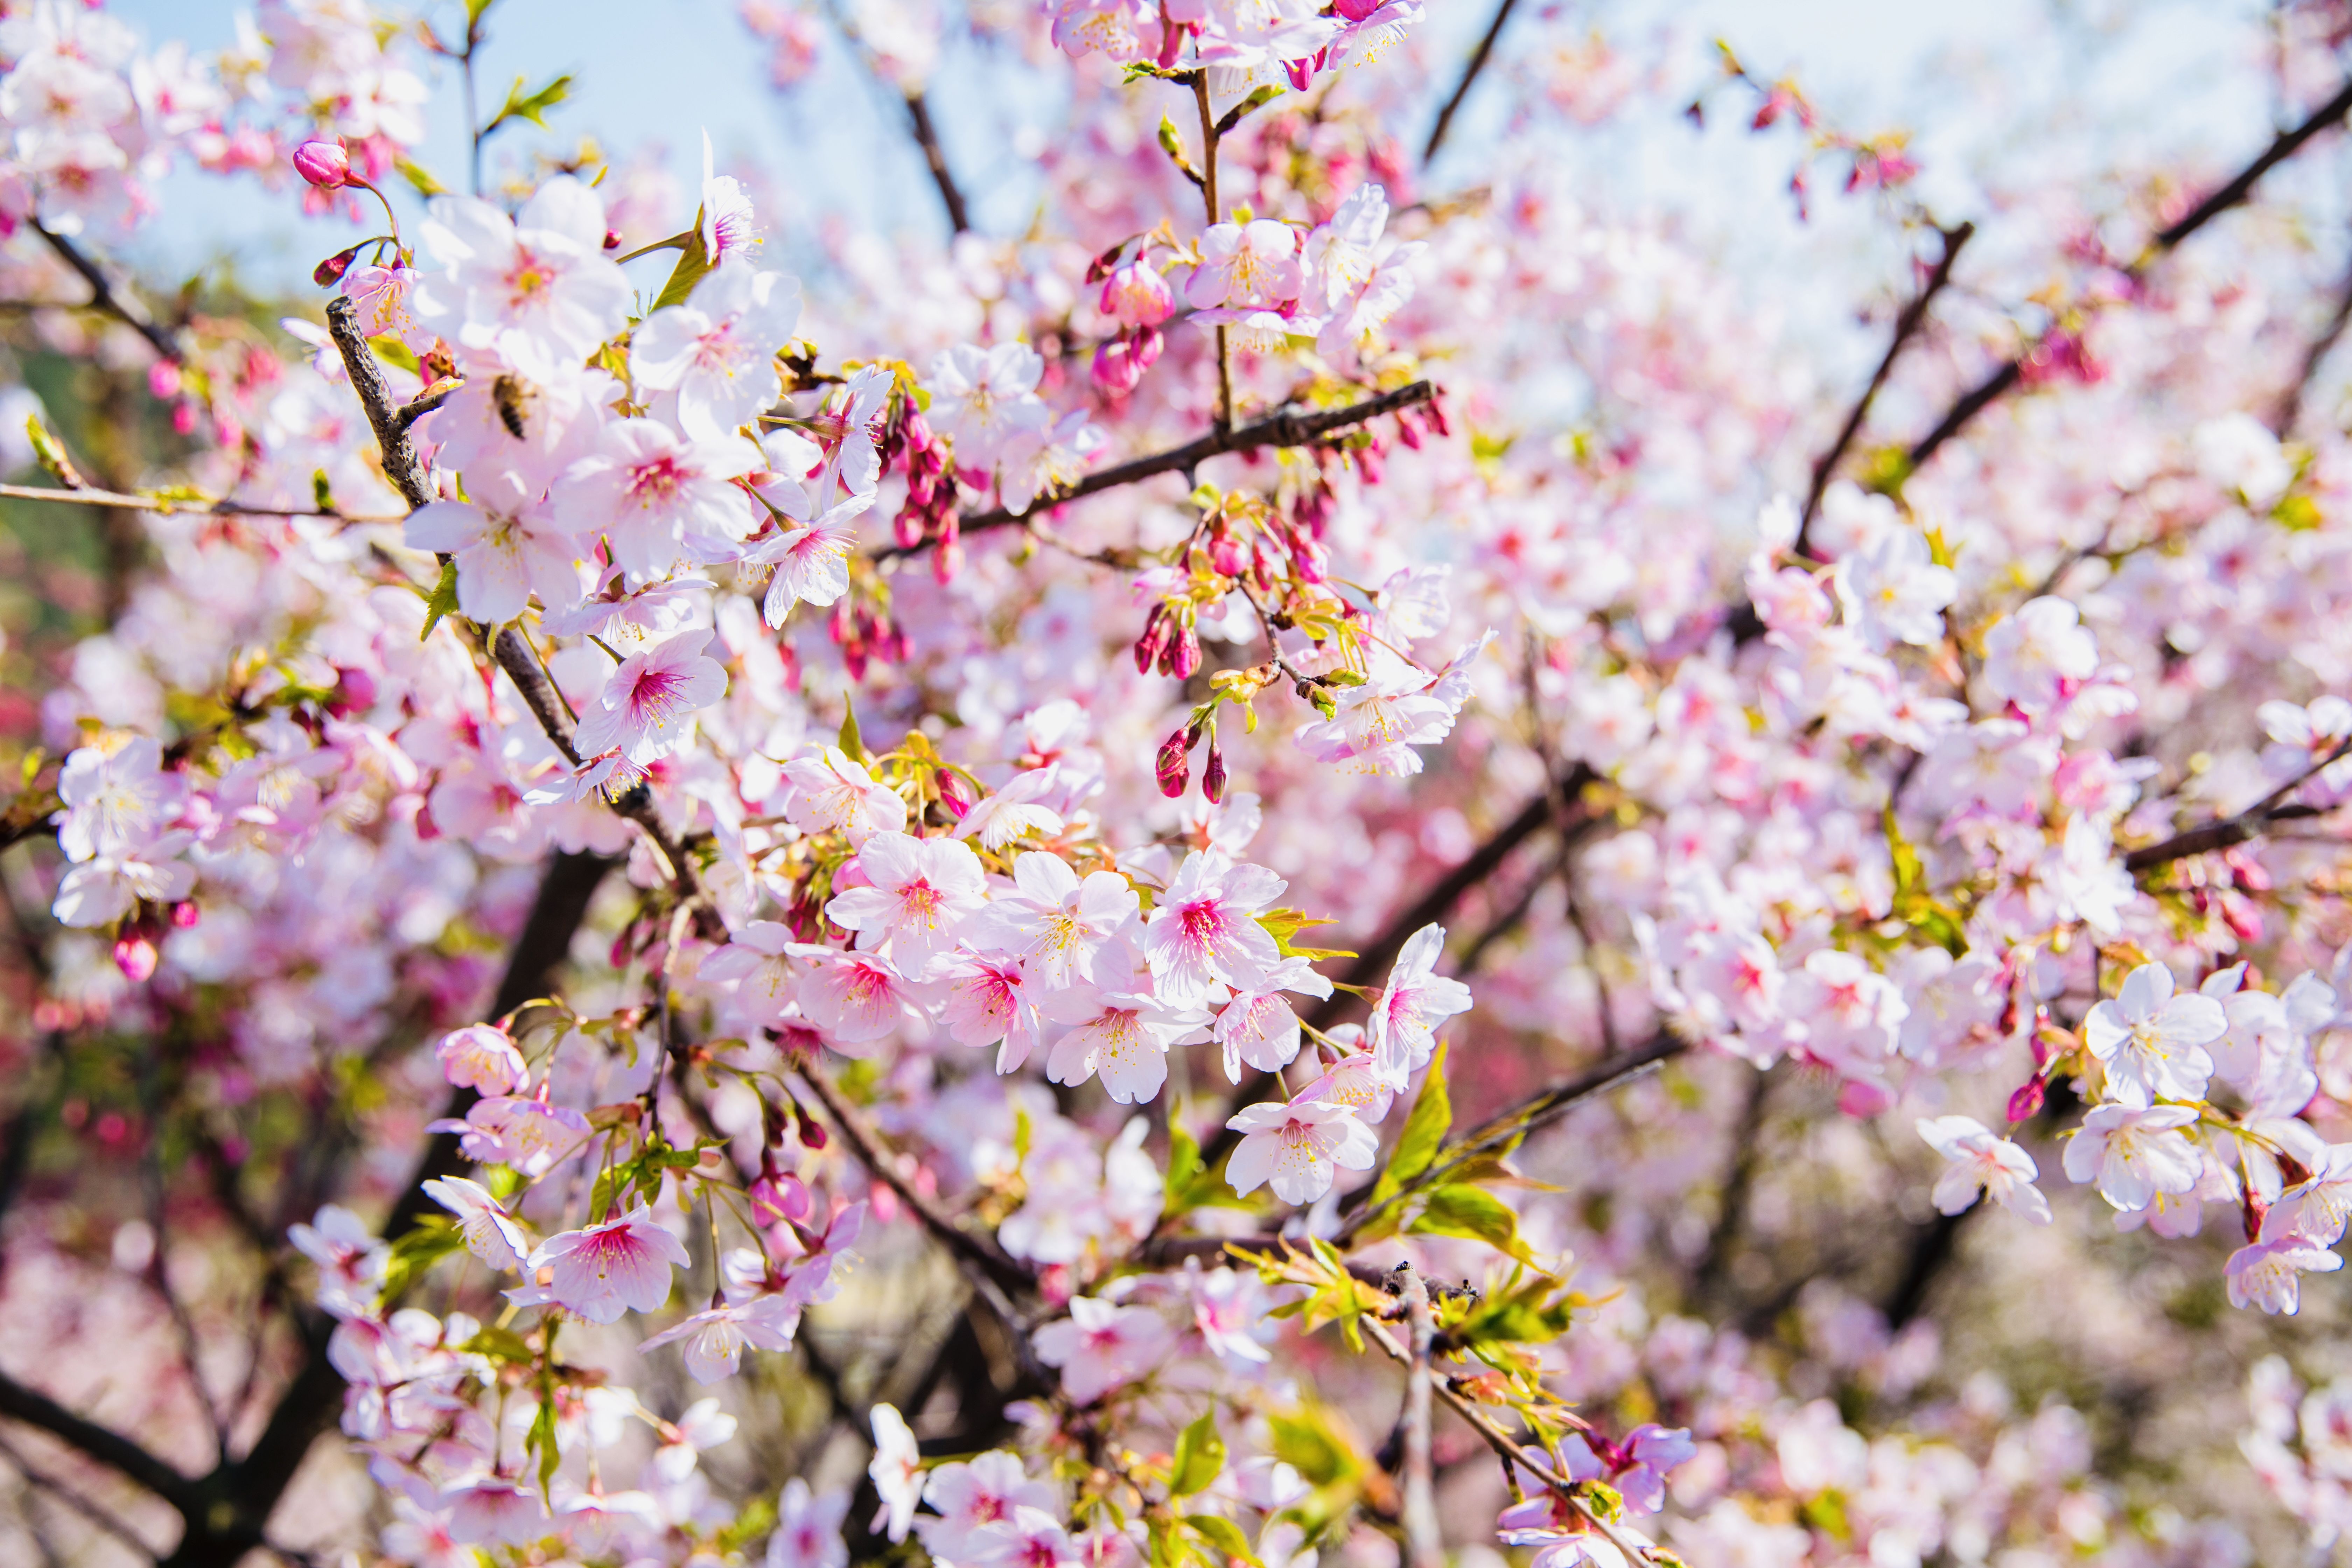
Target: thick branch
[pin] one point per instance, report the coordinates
(1478, 57)
(927, 136)
(400, 464)
(1906, 327)
(105, 296)
(105, 1446)
(1285, 429)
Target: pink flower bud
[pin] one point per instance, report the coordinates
(1185, 657)
(1154, 640)
(324, 165)
(2026, 1104)
(136, 955)
(1138, 296)
(1212, 776)
(1174, 763)
(955, 795)
(186, 914)
(1144, 344)
(164, 379)
(1114, 368)
(332, 270)
(781, 1196)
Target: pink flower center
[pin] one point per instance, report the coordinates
(657, 481)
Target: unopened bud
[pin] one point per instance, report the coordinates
(1174, 765)
(955, 795)
(2026, 1104)
(1185, 658)
(1154, 640)
(332, 270)
(324, 165)
(1213, 775)
(135, 954)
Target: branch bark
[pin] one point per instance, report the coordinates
(2251, 823)
(2167, 240)
(1285, 430)
(1478, 57)
(1424, 1540)
(105, 295)
(926, 137)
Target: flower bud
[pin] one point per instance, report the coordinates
(135, 954)
(1185, 657)
(332, 270)
(1138, 296)
(2026, 1104)
(955, 795)
(1144, 346)
(907, 526)
(1154, 640)
(1174, 764)
(1212, 776)
(779, 1196)
(323, 164)
(1114, 368)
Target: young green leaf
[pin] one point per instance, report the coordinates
(442, 601)
(1476, 1214)
(1425, 1131)
(1200, 1455)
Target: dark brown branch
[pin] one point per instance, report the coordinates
(1478, 59)
(400, 464)
(1906, 327)
(972, 1249)
(2285, 146)
(74, 1500)
(926, 137)
(1289, 428)
(107, 1447)
(426, 401)
(2250, 823)
(105, 295)
(2290, 405)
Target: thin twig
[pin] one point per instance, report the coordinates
(2290, 405)
(1289, 428)
(926, 137)
(1478, 57)
(107, 1447)
(167, 506)
(2285, 145)
(1215, 215)
(1907, 326)
(977, 1252)
(72, 1498)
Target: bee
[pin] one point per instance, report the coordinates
(513, 397)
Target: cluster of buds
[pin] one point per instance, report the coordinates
(1169, 641)
(929, 512)
(138, 942)
(866, 631)
(326, 167)
(1137, 298)
(1173, 767)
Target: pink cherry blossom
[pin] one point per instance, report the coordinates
(918, 893)
(617, 1266)
(1297, 1149)
(1101, 1346)
(642, 711)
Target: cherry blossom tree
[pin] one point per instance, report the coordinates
(527, 1046)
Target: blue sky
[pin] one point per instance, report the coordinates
(660, 74)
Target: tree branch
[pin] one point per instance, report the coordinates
(1285, 429)
(2285, 146)
(926, 137)
(1424, 1539)
(107, 1447)
(166, 505)
(105, 295)
(2251, 823)
(401, 463)
(1907, 326)
(974, 1251)
(1478, 57)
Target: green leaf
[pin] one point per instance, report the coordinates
(1476, 1214)
(51, 454)
(393, 352)
(1425, 1131)
(693, 265)
(322, 494)
(542, 1441)
(852, 746)
(1199, 1456)
(530, 106)
(477, 9)
(434, 1238)
(1167, 1549)
(420, 179)
(443, 600)
(502, 1344)
(1224, 1535)
(1308, 1444)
